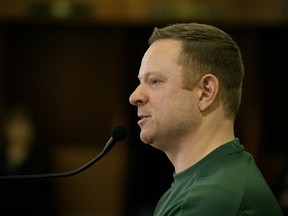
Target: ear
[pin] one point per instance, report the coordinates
(209, 86)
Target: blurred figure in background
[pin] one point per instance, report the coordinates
(22, 152)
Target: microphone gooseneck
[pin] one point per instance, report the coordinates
(119, 133)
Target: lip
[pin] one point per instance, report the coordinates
(143, 119)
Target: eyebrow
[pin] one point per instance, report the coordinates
(148, 74)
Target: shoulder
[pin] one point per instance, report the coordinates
(229, 184)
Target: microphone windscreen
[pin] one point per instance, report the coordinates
(119, 133)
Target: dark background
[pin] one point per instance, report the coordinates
(77, 75)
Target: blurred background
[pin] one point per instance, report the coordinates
(73, 65)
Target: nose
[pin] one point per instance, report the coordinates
(138, 97)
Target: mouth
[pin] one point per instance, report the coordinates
(143, 119)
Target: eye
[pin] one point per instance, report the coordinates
(153, 81)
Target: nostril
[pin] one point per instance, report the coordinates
(138, 102)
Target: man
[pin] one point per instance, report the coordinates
(187, 100)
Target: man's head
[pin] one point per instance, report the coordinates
(190, 78)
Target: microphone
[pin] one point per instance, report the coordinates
(119, 133)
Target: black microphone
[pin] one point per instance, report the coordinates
(119, 133)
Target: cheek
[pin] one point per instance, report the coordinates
(183, 107)
(173, 104)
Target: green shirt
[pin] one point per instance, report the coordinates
(226, 182)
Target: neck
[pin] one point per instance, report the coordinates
(196, 146)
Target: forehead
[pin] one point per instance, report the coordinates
(162, 55)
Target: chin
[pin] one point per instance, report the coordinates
(145, 138)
